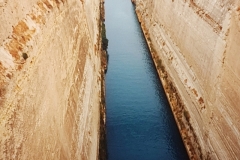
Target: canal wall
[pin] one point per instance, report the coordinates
(50, 81)
(194, 44)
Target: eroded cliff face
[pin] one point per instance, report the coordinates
(50, 81)
(195, 45)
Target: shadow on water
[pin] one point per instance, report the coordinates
(140, 124)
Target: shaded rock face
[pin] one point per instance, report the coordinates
(195, 45)
(50, 79)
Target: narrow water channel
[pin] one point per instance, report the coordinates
(140, 124)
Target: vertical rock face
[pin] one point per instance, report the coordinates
(195, 45)
(50, 79)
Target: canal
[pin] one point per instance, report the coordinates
(140, 124)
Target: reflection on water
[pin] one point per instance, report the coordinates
(140, 124)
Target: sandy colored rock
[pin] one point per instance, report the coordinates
(50, 79)
(198, 44)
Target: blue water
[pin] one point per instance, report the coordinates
(140, 124)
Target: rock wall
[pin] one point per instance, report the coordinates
(50, 79)
(195, 45)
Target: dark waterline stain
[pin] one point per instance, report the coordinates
(140, 124)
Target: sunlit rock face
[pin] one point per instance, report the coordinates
(49, 79)
(198, 44)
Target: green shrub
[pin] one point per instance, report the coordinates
(104, 37)
(24, 55)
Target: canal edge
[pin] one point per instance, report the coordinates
(178, 108)
(102, 151)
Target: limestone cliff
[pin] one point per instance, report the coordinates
(195, 45)
(50, 79)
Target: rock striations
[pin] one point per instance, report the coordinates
(50, 79)
(195, 46)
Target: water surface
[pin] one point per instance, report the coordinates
(140, 124)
